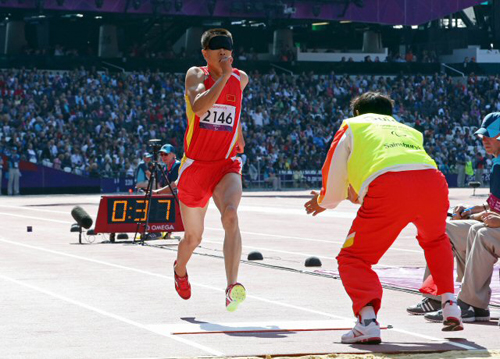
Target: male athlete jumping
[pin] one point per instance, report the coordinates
(210, 167)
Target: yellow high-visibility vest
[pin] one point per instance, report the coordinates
(469, 171)
(381, 142)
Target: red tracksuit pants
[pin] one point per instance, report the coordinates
(394, 200)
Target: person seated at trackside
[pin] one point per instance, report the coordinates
(467, 226)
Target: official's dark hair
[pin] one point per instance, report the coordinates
(207, 36)
(372, 102)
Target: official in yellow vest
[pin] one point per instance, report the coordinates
(381, 164)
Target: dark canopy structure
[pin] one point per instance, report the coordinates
(391, 12)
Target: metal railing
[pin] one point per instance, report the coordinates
(113, 65)
(453, 69)
(282, 69)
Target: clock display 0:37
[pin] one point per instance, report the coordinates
(134, 210)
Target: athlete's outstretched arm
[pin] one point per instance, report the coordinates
(334, 174)
(244, 79)
(200, 98)
(241, 140)
(312, 206)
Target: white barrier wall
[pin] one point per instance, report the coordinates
(481, 56)
(108, 42)
(321, 55)
(282, 40)
(15, 38)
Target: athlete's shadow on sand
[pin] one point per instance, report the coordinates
(427, 348)
(253, 331)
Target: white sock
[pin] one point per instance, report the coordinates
(448, 296)
(367, 313)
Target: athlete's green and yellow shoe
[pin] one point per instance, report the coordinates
(235, 295)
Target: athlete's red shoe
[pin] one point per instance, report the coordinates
(182, 285)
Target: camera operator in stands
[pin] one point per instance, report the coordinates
(143, 171)
(171, 169)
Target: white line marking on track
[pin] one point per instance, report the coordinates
(294, 211)
(273, 250)
(292, 253)
(278, 236)
(217, 289)
(160, 276)
(33, 209)
(209, 228)
(463, 346)
(242, 208)
(307, 239)
(114, 316)
(37, 218)
(201, 327)
(259, 248)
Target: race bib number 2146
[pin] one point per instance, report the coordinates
(219, 118)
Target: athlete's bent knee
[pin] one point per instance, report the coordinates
(230, 218)
(193, 240)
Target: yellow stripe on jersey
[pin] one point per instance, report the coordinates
(185, 163)
(233, 143)
(190, 117)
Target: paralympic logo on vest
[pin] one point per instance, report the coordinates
(402, 144)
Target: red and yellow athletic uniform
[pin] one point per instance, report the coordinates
(398, 183)
(209, 143)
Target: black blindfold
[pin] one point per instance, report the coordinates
(220, 42)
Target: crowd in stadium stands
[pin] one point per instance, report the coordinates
(98, 124)
(241, 53)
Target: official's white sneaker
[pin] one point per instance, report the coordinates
(361, 334)
(452, 317)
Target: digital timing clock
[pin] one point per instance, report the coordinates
(121, 214)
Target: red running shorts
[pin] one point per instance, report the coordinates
(198, 179)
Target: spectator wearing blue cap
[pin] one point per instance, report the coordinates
(171, 168)
(474, 232)
(142, 173)
(14, 173)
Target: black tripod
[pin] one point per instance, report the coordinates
(156, 170)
